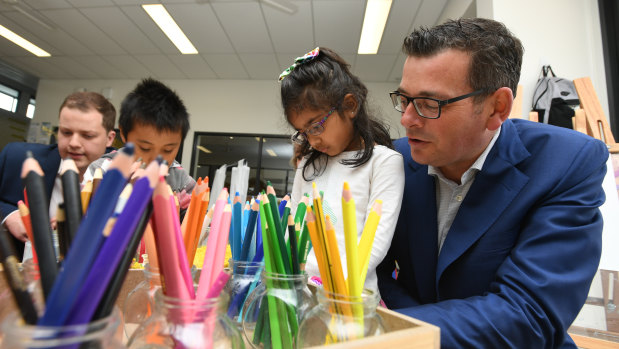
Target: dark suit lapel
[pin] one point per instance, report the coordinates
(421, 220)
(495, 186)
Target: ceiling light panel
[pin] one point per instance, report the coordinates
(167, 24)
(25, 44)
(376, 14)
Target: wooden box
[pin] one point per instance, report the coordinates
(403, 331)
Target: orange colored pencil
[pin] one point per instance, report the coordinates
(24, 212)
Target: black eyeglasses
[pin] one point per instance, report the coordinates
(314, 129)
(426, 107)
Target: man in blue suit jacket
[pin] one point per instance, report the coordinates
(499, 234)
(85, 129)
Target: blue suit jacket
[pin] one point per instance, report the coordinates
(518, 261)
(11, 187)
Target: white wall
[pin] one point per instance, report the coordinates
(234, 106)
(563, 33)
(569, 40)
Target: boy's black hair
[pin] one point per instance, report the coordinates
(322, 83)
(153, 103)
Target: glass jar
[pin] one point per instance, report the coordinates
(140, 302)
(245, 277)
(98, 334)
(187, 324)
(340, 318)
(273, 311)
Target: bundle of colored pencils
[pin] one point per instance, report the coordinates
(323, 238)
(96, 247)
(276, 319)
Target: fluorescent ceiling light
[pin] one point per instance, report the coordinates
(376, 13)
(18, 40)
(201, 148)
(271, 152)
(282, 5)
(166, 23)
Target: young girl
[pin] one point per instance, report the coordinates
(339, 142)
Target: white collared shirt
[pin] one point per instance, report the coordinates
(449, 194)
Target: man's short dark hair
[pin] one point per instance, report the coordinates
(496, 54)
(153, 103)
(86, 101)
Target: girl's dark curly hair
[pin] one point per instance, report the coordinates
(322, 83)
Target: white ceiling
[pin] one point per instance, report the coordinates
(237, 39)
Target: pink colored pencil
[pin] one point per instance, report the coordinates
(182, 254)
(167, 248)
(212, 245)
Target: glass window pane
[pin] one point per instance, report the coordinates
(271, 162)
(276, 164)
(30, 110)
(8, 102)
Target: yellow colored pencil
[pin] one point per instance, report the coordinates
(335, 264)
(85, 195)
(319, 248)
(350, 239)
(367, 238)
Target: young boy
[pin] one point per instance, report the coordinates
(154, 118)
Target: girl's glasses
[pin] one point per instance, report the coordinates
(314, 129)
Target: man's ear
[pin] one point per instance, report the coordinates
(350, 105)
(501, 102)
(110, 138)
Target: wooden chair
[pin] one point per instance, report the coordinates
(597, 124)
(517, 107)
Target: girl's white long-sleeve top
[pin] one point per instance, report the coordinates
(382, 177)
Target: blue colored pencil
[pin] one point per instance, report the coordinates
(249, 231)
(237, 218)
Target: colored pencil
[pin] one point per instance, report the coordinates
(72, 199)
(32, 177)
(292, 237)
(184, 263)
(367, 238)
(249, 231)
(237, 218)
(88, 240)
(172, 281)
(96, 179)
(15, 280)
(113, 289)
(61, 232)
(349, 216)
(85, 195)
(206, 276)
(24, 213)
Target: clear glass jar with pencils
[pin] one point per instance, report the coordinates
(100, 334)
(340, 318)
(188, 324)
(245, 278)
(140, 302)
(273, 311)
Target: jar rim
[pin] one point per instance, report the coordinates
(285, 277)
(60, 335)
(367, 297)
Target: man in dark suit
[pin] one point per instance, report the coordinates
(85, 130)
(499, 234)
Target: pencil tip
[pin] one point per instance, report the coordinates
(159, 159)
(29, 154)
(128, 149)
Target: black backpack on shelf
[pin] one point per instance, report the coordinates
(555, 99)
